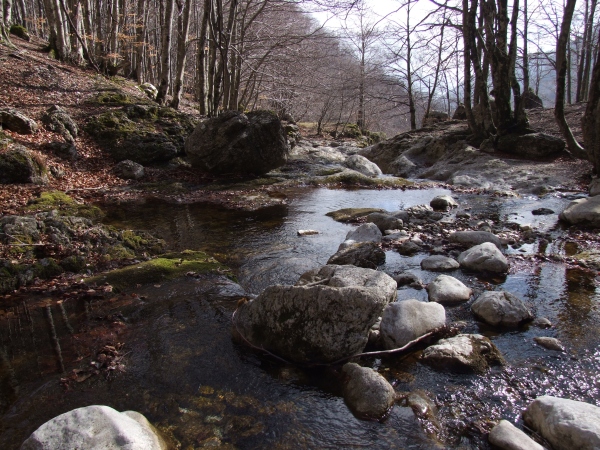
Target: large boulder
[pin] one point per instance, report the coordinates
(236, 143)
(483, 258)
(145, 134)
(58, 120)
(326, 316)
(359, 254)
(449, 290)
(407, 320)
(95, 426)
(363, 165)
(583, 211)
(460, 113)
(508, 437)
(14, 120)
(129, 170)
(367, 393)
(19, 165)
(532, 145)
(443, 203)
(565, 424)
(500, 308)
(531, 100)
(434, 117)
(463, 353)
(471, 238)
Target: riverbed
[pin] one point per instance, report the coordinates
(182, 369)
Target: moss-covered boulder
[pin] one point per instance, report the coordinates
(142, 133)
(58, 120)
(19, 165)
(20, 31)
(352, 214)
(64, 205)
(166, 267)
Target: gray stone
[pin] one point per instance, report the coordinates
(326, 316)
(460, 113)
(463, 353)
(409, 248)
(403, 167)
(472, 238)
(410, 279)
(407, 320)
(129, 170)
(95, 426)
(595, 187)
(549, 343)
(363, 165)
(19, 165)
(583, 211)
(307, 232)
(13, 120)
(531, 100)
(542, 212)
(508, 437)
(500, 308)
(484, 258)
(565, 424)
(439, 263)
(385, 221)
(359, 254)
(447, 289)
(64, 150)
(366, 392)
(532, 145)
(149, 89)
(236, 143)
(434, 117)
(443, 203)
(367, 232)
(58, 120)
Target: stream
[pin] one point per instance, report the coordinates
(183, 371)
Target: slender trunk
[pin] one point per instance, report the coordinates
(202, 58)
(589, 55)
(411, 101)
(437, 68)
(591, 119)
(521, 121)
(140, 41)
(561, 71)
(582, 54)
(525, 49)
(183, 26)
(165, 59)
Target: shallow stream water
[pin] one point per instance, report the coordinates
(185, 373)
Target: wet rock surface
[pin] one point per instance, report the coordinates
(406, 320)
(500, 308)
(449, 290)
(565, 424)
(508, 437)
(465, 352)
(483, 258)
(367, 393)
(439, 263)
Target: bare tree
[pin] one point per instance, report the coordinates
(165, 59)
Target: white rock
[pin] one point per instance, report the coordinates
(508, 437)
(439, 263)
(484, 258)
(447, 289)
(307, 232)
(367, 393)
(565, 424)
(363, 165)
(367, 232)
(584, 211)
(408, 320)
(500, 308)
(470, 352)
(95, 427)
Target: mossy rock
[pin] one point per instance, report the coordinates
(19, 165)
(74, 263)
(350, 178)
(145, 134)
(158, 270)
(47, 268)
(352, 214)
(65, 205)
(20, 31)
(5, 140)
(113, 98)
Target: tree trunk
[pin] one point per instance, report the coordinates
(183, 26)
(525, 47)
(202, 59)
(165, 58)
(591, 119)
(589, 55)
(411, 100)
(561, 71)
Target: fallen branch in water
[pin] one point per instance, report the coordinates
(442, 331)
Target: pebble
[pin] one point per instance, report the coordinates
(549, 343)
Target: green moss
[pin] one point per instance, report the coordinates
(4, 140)
(352, 214)
(328, 172)
(113, 98)
(19, 31)
(74, 263)
(112, 125)
(118, 252)
(47, 268)
(163, 268)
(65, 205)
